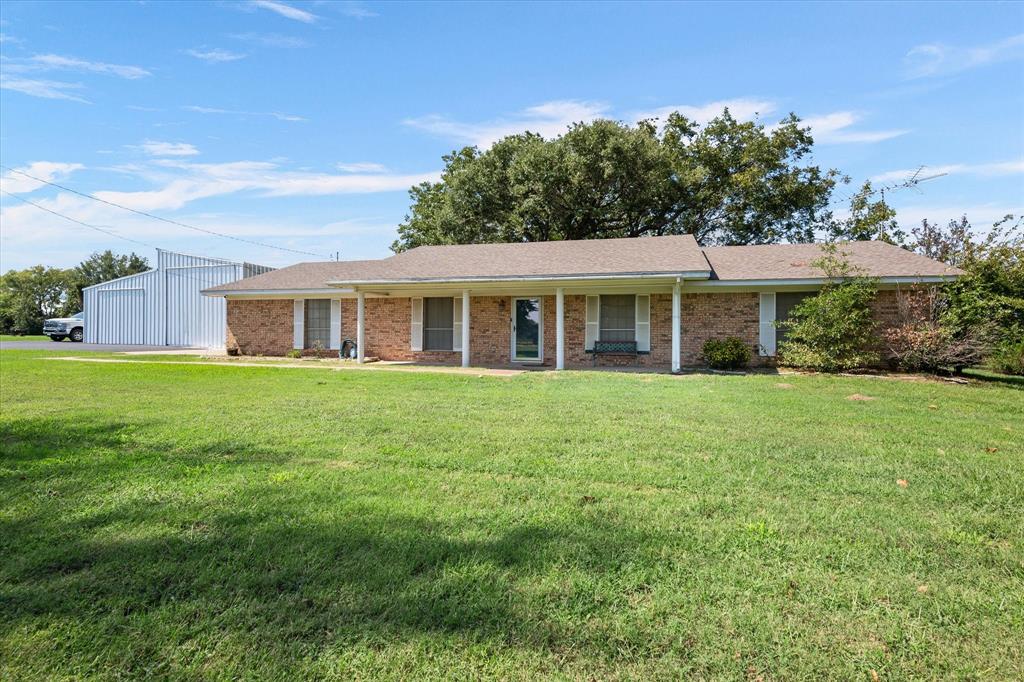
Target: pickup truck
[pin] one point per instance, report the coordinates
(60, 328)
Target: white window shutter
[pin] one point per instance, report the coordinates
(457, 323)
(767, 324)
(416, 334)
(335, 324)
(593, 320)
(643, 322)
(299, 320)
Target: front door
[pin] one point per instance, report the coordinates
(527, 330)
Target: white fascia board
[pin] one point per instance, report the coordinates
(669, 276)
(277, 293)
(813, 281)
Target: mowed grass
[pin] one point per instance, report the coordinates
(29, 337)
(209, 522)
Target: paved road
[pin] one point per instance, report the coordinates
(83, 347)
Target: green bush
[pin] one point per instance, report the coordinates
(1008, 356)
(730, 353)
(294, 353)
(835, 330)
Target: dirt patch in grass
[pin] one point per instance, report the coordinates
(860, 397)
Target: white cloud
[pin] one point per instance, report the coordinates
(285, 10)
(833, 129)
(10, 40)
(361, 167)
(184, 182)
(981, 216)
(270, 39)
(156, 148)
(981, 169)
(176, 184)
(57, 62)
(549, 120)
(17, 75)
(15, 183)
(216, 55)
(742, 109)
(553, 118)
(42, 88)
(273, 114)
(356, 10)
(936, 59)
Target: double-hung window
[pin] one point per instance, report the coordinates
(618, 318)
(318, 322)
(438, 323)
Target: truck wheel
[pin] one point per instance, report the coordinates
(57, 338)
(76, 335)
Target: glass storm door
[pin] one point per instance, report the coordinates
(527, 330)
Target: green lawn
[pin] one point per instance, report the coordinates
(12, 337)
(212, 522)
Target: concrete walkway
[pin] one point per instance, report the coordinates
(98, 347)
(335, 365)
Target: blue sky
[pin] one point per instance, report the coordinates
(302, 124)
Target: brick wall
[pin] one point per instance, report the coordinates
(264, 327)
(260, 327)
(717, 316)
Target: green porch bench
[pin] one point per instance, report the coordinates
(615, 348)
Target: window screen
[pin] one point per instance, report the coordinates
(618, 318)
(318, 322)
(784, 303)
(438, 317)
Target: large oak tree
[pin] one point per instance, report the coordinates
(725, 182)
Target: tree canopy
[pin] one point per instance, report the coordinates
(725, 182)
(868, 220)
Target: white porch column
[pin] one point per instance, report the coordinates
(676, 332)
(559, 328)
(360, 326)
(465, 328)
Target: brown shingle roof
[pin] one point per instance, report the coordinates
(645, 255)
(793, 261)
(600, 257)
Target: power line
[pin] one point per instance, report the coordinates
(165, 220)
(74, 220)
(202, 281)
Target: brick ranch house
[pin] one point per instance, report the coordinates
(551, 303)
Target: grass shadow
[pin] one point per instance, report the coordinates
(257, 567)
(994, 377)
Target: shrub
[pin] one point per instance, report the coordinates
(925, 340)
(730, 353)
(294, 353)
(835, 330)
(1008, 356)
(318, 349)
(929, 346)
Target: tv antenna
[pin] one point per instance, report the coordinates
(910, 182)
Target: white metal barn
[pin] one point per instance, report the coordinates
(164, 307)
